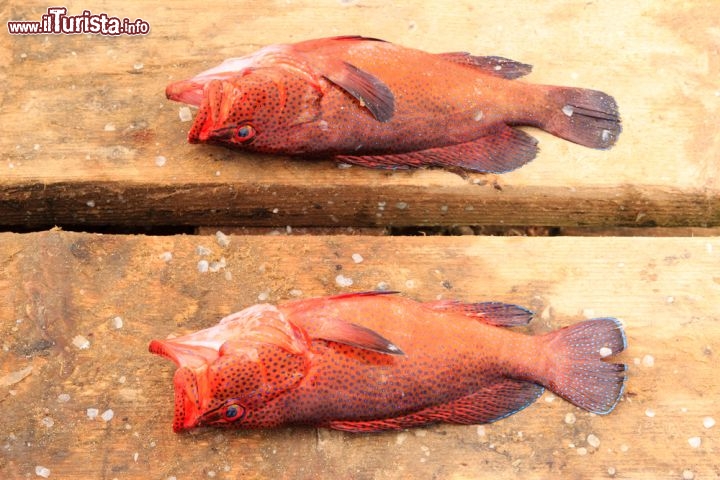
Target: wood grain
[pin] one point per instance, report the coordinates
(84, 118)
(59, 285)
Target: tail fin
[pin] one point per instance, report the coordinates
(576, 371)
(586, 117)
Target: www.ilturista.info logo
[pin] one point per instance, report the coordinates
(57, 21)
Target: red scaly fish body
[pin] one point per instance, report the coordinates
(366, 362)
(377, 104)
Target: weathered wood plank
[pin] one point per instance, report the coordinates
(84, 118)
(59, 285)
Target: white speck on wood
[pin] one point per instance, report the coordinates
(648, 361)
(116, 323)
(81, 342)
(107, 415)
(695, 442)
(708, 422)
(343, 281)
(222, 239)
(568, 110)
(185, 114)
(688, 474)
(63, 398)
(570, 418)
(593, 441)
(203, 266)
(41, 471)
(109, 127)
(160, 160)
(92, 413)
(357, 258)
(650, 412)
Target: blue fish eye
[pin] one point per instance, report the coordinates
(245, 133)
(232, 411)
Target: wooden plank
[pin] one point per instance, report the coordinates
(84, 118)
(59, 285)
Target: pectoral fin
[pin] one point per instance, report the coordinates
(369, 90)
(354, 335)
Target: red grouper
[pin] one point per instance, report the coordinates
(373, 361)
(373, 103)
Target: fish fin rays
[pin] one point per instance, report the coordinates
(492, 313)
(577, 372)
(495, 66)
(369, 90)
(586, 117)
(502, 151)
(347, 333)
(490, 403)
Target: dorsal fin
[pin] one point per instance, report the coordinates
(492, 313)
(496, 66)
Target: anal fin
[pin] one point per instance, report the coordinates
(489, 404)
(502, 151)
(492, 313)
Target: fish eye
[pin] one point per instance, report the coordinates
(245, 133)
(234, 411)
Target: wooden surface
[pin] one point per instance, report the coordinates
(58, 285)
(84, 118)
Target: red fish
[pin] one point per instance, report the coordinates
(372, 361)
(369, 102)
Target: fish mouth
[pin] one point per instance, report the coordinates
(185, 91)
(212, 102)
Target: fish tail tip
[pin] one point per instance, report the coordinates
(579, 374)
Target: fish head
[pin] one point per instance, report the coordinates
(228, 373)
(259, 110)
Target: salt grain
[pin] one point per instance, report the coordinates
(343, 281)
(383, 286)
(549, 398)
(570, 418)
(568, 110)
(582, 451)
(295, 292)
(611, 471)
(648, 361)
(688, 475)
(401, 205)
(481, 431)
(116, 323)
(650, 412)
(109, 127)
(357, 258)
(63, 398)
(135, 456)
(138, 66)
(92, 413)
(81, 342)
(694, 442)
(222, 239)
(202, 250)
(41, 471)
(160, 160)
(263, 296)
(166, 256)
(185, 114)
(708, 422)
(593, 441)
(624, 448)
(48, 422)
(400, 439)
(107, 415)
(410, 284)
(605, 352)
(90, 203)
(203, 266)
